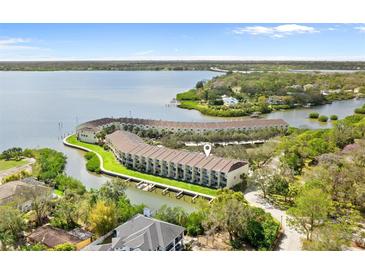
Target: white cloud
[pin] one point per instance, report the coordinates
(142, 53)
(276, 32)
(361, 29)
(14, 43)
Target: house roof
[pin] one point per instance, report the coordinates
(226, 124)
(141, 233)
(127, 142)
(21, 191)
(51, 236)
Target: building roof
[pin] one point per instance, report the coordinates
(141, 233)
(226, 124)
(51, 236)
(21, 191)
(127, 142)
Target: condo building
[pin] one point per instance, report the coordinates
(192, 167)
(87, 132)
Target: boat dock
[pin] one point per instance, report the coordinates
(145, 185)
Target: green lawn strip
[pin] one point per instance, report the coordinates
(112, 164)
(58, 192)
(11, 164)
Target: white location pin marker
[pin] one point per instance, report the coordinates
(207, 149)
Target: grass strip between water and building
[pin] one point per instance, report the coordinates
(112, 164)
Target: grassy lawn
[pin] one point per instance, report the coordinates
(10, 164)
(112, 164)
(58, 192)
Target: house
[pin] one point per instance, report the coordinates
(330, 91)
(229, 101)
(22, 193)
(275, 100)
(141, 233)
(52, 236)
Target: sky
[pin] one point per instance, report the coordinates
(289, 41)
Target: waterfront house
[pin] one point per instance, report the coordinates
(141, 233)
(229, 101)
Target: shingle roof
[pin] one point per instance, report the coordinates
(127, 142)
(225, 124)
(142, 233)
(51, 236)
(21, 191)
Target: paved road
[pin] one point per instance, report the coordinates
(291, 239)
(27, 167)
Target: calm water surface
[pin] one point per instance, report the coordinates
(38, 108)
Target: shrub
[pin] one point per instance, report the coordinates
(323, 118)
(262, 229)
(313, 115)
(64, 247)
(360, 110)
(63, 183)
(334, 117)
(194, 225)
(93, 162)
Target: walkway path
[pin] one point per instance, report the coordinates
(291, 239)
(26, 167)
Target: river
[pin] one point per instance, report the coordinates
(38, 108)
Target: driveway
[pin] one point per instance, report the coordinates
(290, 240)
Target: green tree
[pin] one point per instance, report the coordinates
(103, 218)
(294, 160)
(330, 237)
(126, 210)
(40, 204)
(343, 133)
(50, 163)
(263, 178)
(67, 211)
(174, 215)
(11, 227)
(113, 190)
(15, 153)
(311, 210)
(67, 183)
(199, 84)
(194, 223)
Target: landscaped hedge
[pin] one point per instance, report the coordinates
(323, 118)
(313, 115)
(93, 162)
